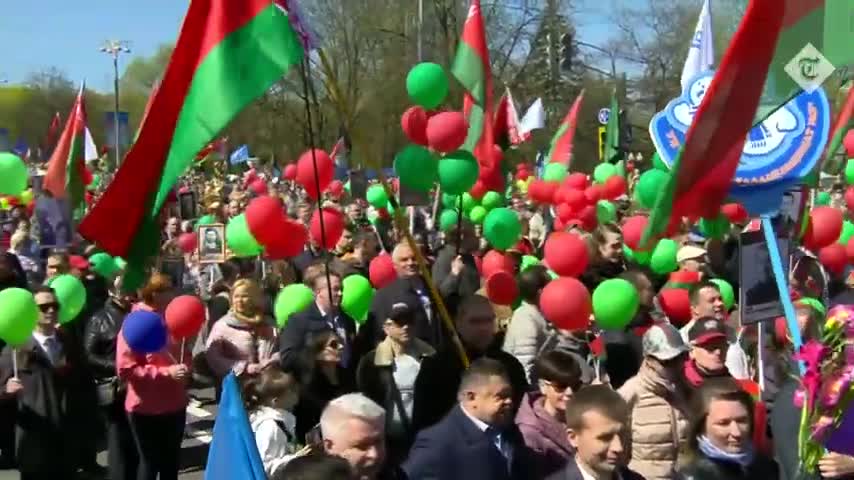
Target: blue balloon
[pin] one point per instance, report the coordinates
(144, 332)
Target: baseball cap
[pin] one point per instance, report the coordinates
(663, 342)
(706, 329)
(401, 313)
(689, 252)
(78, 263)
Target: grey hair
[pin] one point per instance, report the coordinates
(351, 405)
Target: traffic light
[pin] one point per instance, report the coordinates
(566, 51)
(603, 139)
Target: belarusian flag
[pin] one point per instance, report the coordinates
(612, 133)
(228, 54)
(841, 127)
(506, 124)
(471, 68)
(561, 147)
(702, 174)
(67, 164)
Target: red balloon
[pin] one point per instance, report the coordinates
(564, 212)
(576, 180)
(633, 229)
(849, 143)
(290, 172)
(494, 262)
(185, 316)
(566, 303)
(594, 193)
(478, 190)
(264, 216)
(336, 188)
(560, 225)
(333, 223)
(825, 226)
(676, 304)
(188, 242)
(501, 288)
(289, 243)
(574, 198)
(523, 175)
(614, 187)
(305, 172)
(414, 125)
(566, 254)
(849, 250)
(735, 212)
(381, 271)
(258, 186)
(834, 258)
(86, 175)
(542, 191)
(849, 199)
(447, 131)
(588, 218)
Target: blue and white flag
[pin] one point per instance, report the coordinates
(701, 55)
(241, 155)
(233, 453)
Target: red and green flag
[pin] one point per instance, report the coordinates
(472, 69)
(703, 171)
(228, 54)
(66, 168)
(843, 123)
(562, 142)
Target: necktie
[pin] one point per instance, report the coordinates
(52, 349)
(503, 447)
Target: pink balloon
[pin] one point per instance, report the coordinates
(825, 226)
(633, 229)
(501, 288)
(494, 262)
(447, 131)
(188, 242)
(566, 254)
(834, 258)
(414, 125)
(290, 172)
(381, 271)
(265, 216)
(185, 316)
(566, 303)
(305, 172)
(333, 223)
(289, 243)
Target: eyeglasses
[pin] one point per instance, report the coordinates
(46, 307)
(558, 387)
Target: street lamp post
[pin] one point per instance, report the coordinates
(115, 48)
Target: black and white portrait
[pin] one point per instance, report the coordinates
(211, 243)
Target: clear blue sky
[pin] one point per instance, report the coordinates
(37, 34)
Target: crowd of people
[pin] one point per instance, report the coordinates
(499, 393)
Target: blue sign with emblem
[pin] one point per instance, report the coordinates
(777, 153)
(603, 115)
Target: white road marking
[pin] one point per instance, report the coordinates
(198, 412)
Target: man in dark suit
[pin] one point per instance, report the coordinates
(477, 440)
(439, 376)
(597, 427)
(322, 315)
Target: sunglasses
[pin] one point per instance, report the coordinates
(46, 307)
(333, 344)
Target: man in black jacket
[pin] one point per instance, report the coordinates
(11, 276)
(99, 344)
(439, 376)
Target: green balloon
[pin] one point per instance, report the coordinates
(205, 220)
(727, 292)
(104, 265)
(450, 201)
(18, 316)
(663, 258)
(477, 214)
(13, 175)
(849, 171)
(240, 239)
(658, 163)
(347, 186)
(448, 219)
(458, 172)
(373, 217)
(468, 202)
(294, 298)
(603, 172)
(555, 172)
(491, 200)
(815, 304)
(528, 261)
(847, 232)
(615, 302)
(502, 228)
(650, 183)
(714, 227)
(356, 298)
(606, 212)
(427, 85)
(640, 258)
(377, 196)
(121, 263)
(71, 295)
(417, 168)
(822, 199)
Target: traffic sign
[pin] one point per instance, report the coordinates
(604, 114)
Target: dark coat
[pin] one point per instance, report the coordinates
(705, 468)
(453, 288)
(402, 290)
(301, 326)
(313, 397)
(571, 472)
(439, 379)
(456, 448)
(99, 340)
(784, 421)
(56, 406)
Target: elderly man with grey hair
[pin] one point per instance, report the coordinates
(353, 428)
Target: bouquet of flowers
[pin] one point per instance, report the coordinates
(826, 386)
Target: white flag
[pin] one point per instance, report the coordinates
(534, 118)
(701, 55)
(90, 150)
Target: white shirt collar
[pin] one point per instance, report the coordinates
(480, 424)
(585, 475)
(42, 338)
